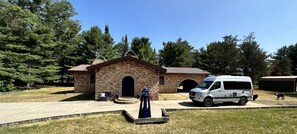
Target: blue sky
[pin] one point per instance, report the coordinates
(200, 22)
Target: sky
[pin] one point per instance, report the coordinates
(200, 22)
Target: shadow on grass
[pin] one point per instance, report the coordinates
(64, 92)
(292, 95)
(191, 104)
(81, 97)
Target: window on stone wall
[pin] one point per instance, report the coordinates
(92, 79)
(161, 80)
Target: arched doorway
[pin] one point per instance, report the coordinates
(128, 86)
(186, 85)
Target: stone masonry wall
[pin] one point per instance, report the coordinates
(109, 78)
(82, 83)
(172, 81)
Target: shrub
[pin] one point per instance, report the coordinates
(6, 85)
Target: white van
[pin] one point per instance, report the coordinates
(223, 89)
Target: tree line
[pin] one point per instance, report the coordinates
(40, 41)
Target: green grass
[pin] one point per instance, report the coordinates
(195, 121)
(47, 94)
(269, 98)
(172, 96)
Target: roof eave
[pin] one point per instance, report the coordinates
(73, 71)
(128, 58)
(187, 73)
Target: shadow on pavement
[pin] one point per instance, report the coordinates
(81, 97)
(191, 104)
(188, 104)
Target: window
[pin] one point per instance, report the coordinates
(161, 80)
(92, 79)
(216, 85)
(204, 84)
(235, 85)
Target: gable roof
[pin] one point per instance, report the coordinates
(128, 57)
(79, 68)
(184, 70)
(168, 70)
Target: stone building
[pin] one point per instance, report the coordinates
(128, 75)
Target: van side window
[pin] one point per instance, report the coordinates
(236, 85)
(216, 85)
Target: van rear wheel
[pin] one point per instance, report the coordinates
(242, 101)
(207, 102)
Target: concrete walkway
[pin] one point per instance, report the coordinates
(13, 112)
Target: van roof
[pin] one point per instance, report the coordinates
(227, 77)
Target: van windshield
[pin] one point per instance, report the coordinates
(204, 84)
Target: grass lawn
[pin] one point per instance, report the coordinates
(55, 94)
(269, 98)
(172, 96)
(46, 94)
(195, 121)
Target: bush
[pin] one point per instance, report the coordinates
(6, 85)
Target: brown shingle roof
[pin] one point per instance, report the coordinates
(127, 58)
(184, 70)
(169, 70)
(79, 68)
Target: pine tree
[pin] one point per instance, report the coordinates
(292, 55)
(252, 58)
(25, 45)
(94, 41)
(176, 54)
(142, 48)
(122, 47)
(108, 50)
(58, 17)
(281, 65)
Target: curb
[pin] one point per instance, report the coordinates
(58, 117)
(231, 108)
(159, 120)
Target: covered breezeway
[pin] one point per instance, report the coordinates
(187, 85)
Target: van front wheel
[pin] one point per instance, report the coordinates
(242, 101)
(207, 102)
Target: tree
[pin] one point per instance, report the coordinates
(94, 41)
(108, 50)
(35, 6)
(58, 16)
(142, 48)
(91, 43)
(222, 57)
(122, 47)
(25, 45)
(292, 55)
(176, 54)
(252, 58)
(201, 59)
(281, 65)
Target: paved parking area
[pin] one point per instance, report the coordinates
(13, 112)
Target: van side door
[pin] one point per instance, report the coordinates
(216, 91)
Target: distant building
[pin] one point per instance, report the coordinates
(128, 75)
(279, 83)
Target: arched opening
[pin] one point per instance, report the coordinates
(128, 86)
(186, 85)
